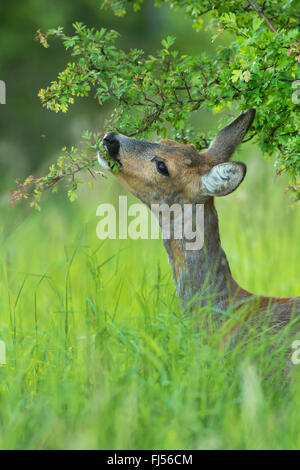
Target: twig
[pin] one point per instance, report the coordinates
(249, 138)
(259, 10)
(288, 79)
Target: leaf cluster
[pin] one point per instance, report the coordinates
(158, 94)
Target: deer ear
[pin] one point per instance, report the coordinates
(223, 146)
(224, 178)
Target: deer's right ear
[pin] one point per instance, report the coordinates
(222, 179)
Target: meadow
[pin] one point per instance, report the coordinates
(100, 354)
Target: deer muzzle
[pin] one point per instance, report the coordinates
(120, 147)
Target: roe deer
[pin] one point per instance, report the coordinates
(168, 172)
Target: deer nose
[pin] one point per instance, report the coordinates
(112, 144)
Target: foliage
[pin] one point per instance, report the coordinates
(71, 162)
(157, 94)
(68, 165)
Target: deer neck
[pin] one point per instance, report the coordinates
(204, 272)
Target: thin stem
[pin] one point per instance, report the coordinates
(260, 11)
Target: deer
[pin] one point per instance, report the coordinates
(168, 172)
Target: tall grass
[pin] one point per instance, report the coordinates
(99, 353)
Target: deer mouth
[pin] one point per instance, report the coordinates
(108, 162)
(109, 157)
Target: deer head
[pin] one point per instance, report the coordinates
(169, 172)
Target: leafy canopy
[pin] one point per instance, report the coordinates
(157, 94)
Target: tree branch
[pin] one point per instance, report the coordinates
(259, 10)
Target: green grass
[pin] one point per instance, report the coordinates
(99, 353)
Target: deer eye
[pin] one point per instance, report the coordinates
(161, 168)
